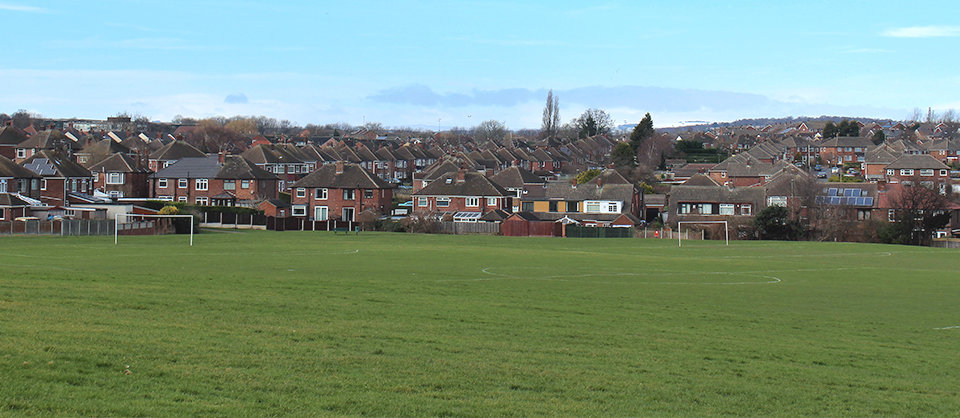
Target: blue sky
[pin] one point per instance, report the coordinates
(411, 63)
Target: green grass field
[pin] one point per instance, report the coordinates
(312, 324)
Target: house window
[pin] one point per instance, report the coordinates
(927, 172)
(349, 194)
(320, 213)
(592, 207)
(202, 184)
(906, 172)
(162, 183)
(889, 172)
(492, 201)
(863, 214)
(202, 201)
(891, 215)
(181, 183)
(244, 184)
(301, 192)
(471, 201)
(727, 209)
(21, 153)
(348, 214)
(573, 206)
(613, 207)
(320, 194)
(114, 178)
(281, 185)
(776, 201)
(526, 206)
(518, 193)
(182, 199)
(43, 184)
(421, 202)
(299, 210)
(943, 173)
(746, 210)
(3, 187)
(443, 202)
(368, 194)
(229, 185)
(723, 174)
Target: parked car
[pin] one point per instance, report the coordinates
(817, 167)
(821, 174)
(834, 170)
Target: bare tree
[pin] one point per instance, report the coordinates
(920, 211)
(551, 117)
(490, 130)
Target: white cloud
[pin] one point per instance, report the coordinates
(923, 32)
(18, 8)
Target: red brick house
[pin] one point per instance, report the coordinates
(340, 191)
(121, 176)
(926, 170)
(60, 176)
(14, 178)
(461, 191)
(214, 180)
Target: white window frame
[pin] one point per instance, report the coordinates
(443, 202)
(471, 202)
(298, 210)
(776, 201)
(244, 184)
(182, 199)
(422, 202)
(202, 184)
(320, 193)
(906, 172)
(349, 194)
(43, 184)
(492, 201)
(182, 183)
(746, 210)
(353, 214)
(943, 173)
(114, 178)
(202, 200)
(301, 192)
(321, 213)
(229, 185)
(728, 209)
(926, 172)
(21, 153)
(3, 185)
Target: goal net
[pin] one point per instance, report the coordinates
(125, 216)
(726, 230)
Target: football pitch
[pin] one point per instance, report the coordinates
(378, 324)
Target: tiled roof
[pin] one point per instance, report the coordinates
(177, 150)
(8, 168)
(516, 177)
(118, 163)
(54, 163)
(191, 168)
(353, 176)
(917, 161)
(473, 184)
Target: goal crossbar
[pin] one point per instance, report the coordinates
(726, 230)
(116, 229)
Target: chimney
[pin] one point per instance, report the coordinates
(461, 174)
(340, 167)
(8, 123)
(221, 157)
(574, 182)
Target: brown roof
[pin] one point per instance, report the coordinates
(473, 184)
(353, 176)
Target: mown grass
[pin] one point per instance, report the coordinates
(311, 324)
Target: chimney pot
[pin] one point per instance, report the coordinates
(461, 174)
(340, 167)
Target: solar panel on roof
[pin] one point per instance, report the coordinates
(832, 192)
(868, 201)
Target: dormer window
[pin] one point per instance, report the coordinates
(449, 181)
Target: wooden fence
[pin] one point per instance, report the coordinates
(470, 228)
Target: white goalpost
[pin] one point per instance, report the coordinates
(116, 229)
(726, 230)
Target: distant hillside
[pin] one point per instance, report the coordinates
(760, 122)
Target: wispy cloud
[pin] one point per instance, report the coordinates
(19, 8)
(923, 32)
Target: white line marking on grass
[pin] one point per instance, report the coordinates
(956, 327)
(572, 278)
